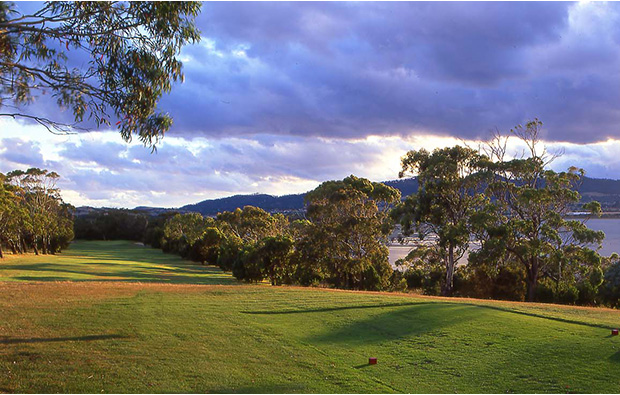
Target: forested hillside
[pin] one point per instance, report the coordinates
(604, 190)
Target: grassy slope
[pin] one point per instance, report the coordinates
(128, 337)
(109, 261)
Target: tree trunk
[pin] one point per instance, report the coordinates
(1, 256)
(532, 281)
(449, 285)
(36, 248)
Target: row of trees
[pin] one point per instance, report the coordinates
(508, 214)
(32, 213)
(342, 242)
(112, 224)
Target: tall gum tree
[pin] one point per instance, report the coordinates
(450, 181)
(527, 216)
(108, 62)
(349, 227)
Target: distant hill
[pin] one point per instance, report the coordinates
(268, 203)
(605, 191)
(281, 204)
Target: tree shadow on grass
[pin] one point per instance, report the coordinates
(399, 322)
(127, 252)
(9, 340)
(291, 388)
(200, 275)
(326, 309)
(536, 315)
(124, 262)
(414, 319)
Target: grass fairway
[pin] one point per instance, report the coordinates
(110, 261)
(154, 337)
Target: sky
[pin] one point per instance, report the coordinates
(279, 97)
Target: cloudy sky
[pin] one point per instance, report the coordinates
(281, 96)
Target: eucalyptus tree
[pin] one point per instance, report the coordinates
(32, 212)
(271, 258)
(252, 224)
(41, 197)
(183, 230)
(105, 61)
(8, 212)
(450, 184)
(349, 228)
(243, 229)
(206, 248)
(527, 218)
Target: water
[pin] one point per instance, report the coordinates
(610, 226)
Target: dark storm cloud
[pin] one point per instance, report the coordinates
(349, 70)
(355, 69)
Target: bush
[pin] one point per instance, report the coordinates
(229, 253)
(428, 282)
(587, 293)
(474, 282)
(509, 284)
(207, 248)
(610, 289)
(247, 267)
(544, 292)
(568, 294)
(398, 282)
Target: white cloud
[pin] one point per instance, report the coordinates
(100, 169)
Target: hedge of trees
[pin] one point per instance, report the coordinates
(341, 243)
(33, 216)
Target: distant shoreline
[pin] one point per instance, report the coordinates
(603, 216)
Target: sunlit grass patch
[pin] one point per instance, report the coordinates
(110, 261)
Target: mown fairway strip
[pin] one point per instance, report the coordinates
(157, 337)
(110, 261)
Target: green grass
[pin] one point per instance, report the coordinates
(126, 337)
(110, 261)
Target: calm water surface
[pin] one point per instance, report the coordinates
(611, 244)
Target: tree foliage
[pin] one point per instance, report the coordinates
(450, 180)
(112, 224)
(105, 61)
(350, 226)
(342, 243)
(526, 218)
(32, 213)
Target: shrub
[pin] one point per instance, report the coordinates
(567, 294)
(610, 289)
(544, 292)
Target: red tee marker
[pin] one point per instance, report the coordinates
(614, 332)
(372, 361)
